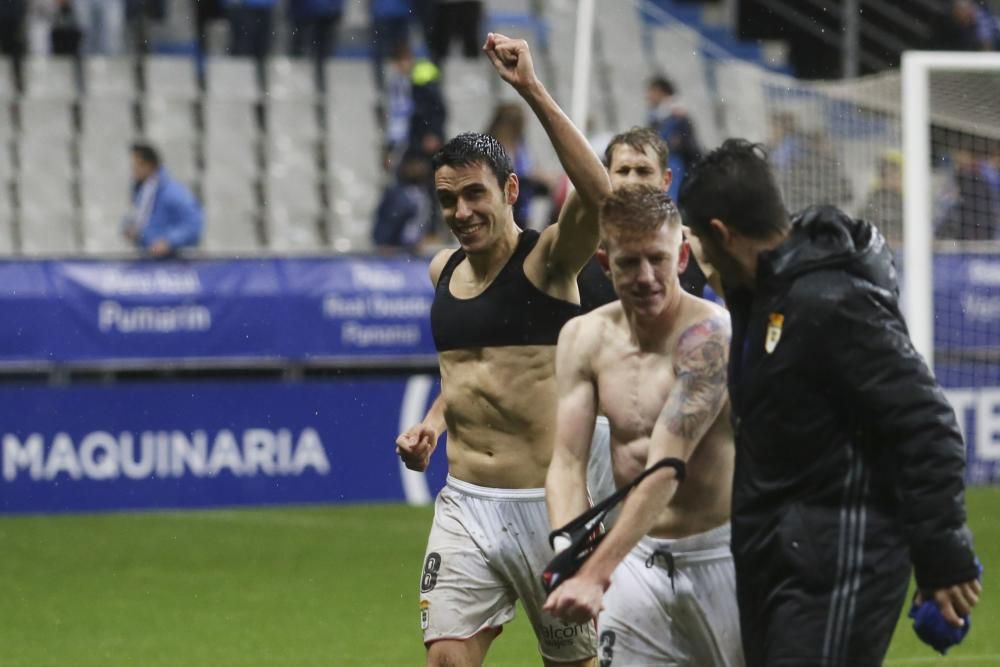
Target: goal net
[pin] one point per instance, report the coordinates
(916, 152)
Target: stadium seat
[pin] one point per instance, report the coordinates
(7, 87)
(353, 149)
(744, 81)
(47, 117)
(47, 230)
(293, 230)
(50, 78)
(7, 245)
(291, 121)
(169, 119)
(293, 185)
(231, 136)
(685, 66)
(230, 78)
(290, 79)
(105, 77)
(44, 158)
(109, 119)
(102, 230)
(171, 77)
(467, 94)
(230, 221)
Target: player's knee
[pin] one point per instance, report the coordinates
(461, 652)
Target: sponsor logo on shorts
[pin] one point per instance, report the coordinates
(430, 577)
(606, 648)
(557, 636)
(425, 614)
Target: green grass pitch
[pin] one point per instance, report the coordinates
(291, 586)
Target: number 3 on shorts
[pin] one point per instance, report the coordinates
(431, 567)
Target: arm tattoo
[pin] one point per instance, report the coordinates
(700, 372)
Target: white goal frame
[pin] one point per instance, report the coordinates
(918, 205)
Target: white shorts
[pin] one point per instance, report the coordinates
(600, 478)
(487, 549)
(673, 602)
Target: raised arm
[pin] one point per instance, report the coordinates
(566, 483)
(693, 405)
(575, 238)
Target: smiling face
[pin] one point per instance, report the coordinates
(473, 205)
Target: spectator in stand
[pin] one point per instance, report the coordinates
(970, 26)
(806, 165)
(451, 20)
(138, 14)
(206, 12)
(429, 113)
(405, 214)
(975, 213)
(398, 107)
(884, 204)
(668, 116)
(13, 32)
(250, 27)
(508, 127)
(314, 26)
(165, 216)
(103, 25)
(390, 30)
(66, 35)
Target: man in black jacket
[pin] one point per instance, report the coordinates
(849, 461)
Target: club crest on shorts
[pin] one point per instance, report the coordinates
(425, 614)
(774, 323)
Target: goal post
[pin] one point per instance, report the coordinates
(918, 204)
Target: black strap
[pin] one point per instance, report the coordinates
(584, 522)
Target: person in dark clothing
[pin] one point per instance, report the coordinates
(849, 459)
(314, 26)
(636, 156)
(669, 118)
(405, 213)
(454, 20)
(13, 41)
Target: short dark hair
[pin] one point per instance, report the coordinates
(639, 138)
(637, 209)
(734, 184)
(471, 148)
(146, 153)
(663, 84)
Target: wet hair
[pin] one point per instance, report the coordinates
(734, 184)
(639, 138)
(471, 148)
(146, 153)
(637, 209)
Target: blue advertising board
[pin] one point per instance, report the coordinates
(209, 444)
(203, 444)
(307, 308)
(291, 309)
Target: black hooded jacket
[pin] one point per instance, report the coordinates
(843, 437)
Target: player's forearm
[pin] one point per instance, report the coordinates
(565, 492)
(638, 515)
(582, 165)
(435, 416)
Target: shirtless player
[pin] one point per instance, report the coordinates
(500, 302)
(655, 364)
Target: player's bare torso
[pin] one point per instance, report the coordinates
(632, 386)
(500, 402)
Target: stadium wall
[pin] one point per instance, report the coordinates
(73, 445)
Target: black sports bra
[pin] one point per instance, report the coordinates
(510, 311)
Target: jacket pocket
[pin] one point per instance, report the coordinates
(804, 549)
